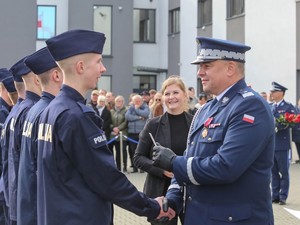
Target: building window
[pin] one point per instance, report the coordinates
(235, 8)
(143, 82)
(46, 23)
(102, 23)
(204, 12)
(144, 25)
(174, 20)
(105, 82)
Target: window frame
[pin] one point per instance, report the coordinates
(148, 34)
(107, 48)
(53, 22)
(235, 8)
(204, 18)
(174, 18)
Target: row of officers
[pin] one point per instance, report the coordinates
(213, 167)
(56, 164)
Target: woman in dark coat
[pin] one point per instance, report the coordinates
(169, 130)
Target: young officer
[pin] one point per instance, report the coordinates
(77, 176)
(50, 78)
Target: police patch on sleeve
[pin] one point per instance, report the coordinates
(98, 140)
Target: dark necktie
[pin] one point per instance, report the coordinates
(274, 108)
(213, 103)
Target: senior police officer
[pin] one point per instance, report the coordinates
(227, 166)
(280, 170)
(77, 177)
(50, 78)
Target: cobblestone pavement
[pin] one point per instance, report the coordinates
(283, 214)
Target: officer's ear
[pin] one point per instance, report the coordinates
(231, 68)
(80, 67)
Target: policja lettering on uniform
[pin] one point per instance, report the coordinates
(45, 132)
(27, 129)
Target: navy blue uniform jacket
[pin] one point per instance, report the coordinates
(16, 129)
(5, 134)
(27, 182)
(77, 176)
(228, 162)
(282, 137)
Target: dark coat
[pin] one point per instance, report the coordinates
(106, 125)
(228, 162)
(282, 137)
(160, 129)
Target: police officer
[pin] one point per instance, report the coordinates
(5, 134)
(50, 78)
(280, 170)
(5, 107)
(226, 170)
(77, 177)
(32, 95)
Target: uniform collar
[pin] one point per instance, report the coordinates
(72, 93)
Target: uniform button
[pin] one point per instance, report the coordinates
(230, 218)
(192, 143)
(190, 198)
(209, 138)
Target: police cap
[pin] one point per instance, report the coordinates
(277, 87)
(211, 49)
(4, 73)
(75, 42)
(40, 61)
(9, 84)
(19, 69)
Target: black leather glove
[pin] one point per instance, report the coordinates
(163, 157)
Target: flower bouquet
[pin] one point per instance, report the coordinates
(287, 120)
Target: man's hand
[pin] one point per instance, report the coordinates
(163, 157)
(166, 213)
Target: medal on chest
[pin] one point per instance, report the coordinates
(204, 132)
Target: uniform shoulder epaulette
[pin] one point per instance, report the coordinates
(246, 93)
(84, 108)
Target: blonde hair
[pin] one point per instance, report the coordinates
(175, 79)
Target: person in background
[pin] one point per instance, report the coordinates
(296, 133)
(119, 124)
(78, 180)
(105, 115)
(110, 100)
(50, 78)
(152, 93)
(224, 176)
(102, 92)
(157, 107)
(136, 115)
(280, 171)
(264, 95)
(164, 129)
(202, 100)
(193, 100)
(93, 102)
(146, 97)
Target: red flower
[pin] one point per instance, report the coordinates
(288, 119)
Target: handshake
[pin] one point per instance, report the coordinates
(166, 213)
